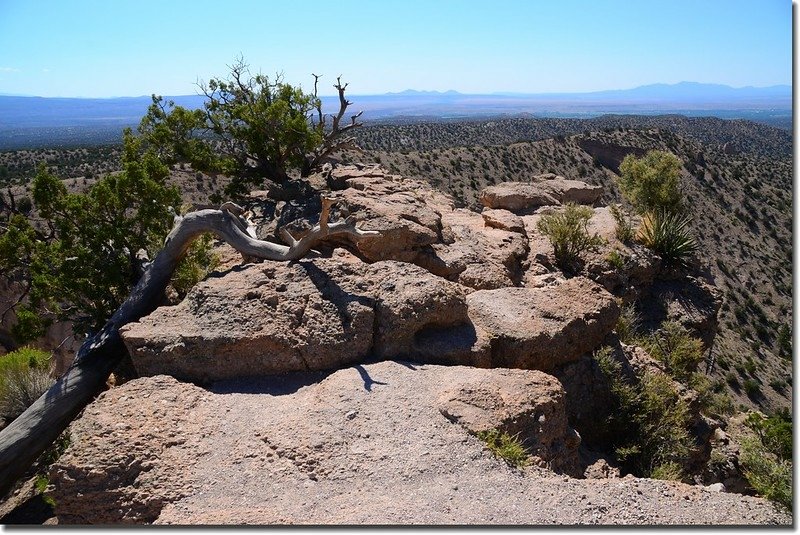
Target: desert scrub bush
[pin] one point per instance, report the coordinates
(767, 458)
(752, 388)
(628, 324)
(568, 232)
(669, 471)
(784, 342)
(652, 182)
(668, 234)
(24, 376)
(616, 260)
(504, 446)
(713, 399)
(624, 223)
(676, 349)
(649, 421)
(198, 262)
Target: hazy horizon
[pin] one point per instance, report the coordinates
(94, 49)
(445, 92)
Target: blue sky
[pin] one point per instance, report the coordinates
(124, 48)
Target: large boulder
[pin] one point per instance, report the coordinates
(477, 256)
(133, 451)
(398, 209)
(315, 314)
(525, 404)
(543, 190)
(543, 327)
(264, 318)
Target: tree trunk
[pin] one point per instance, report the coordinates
(24, 439)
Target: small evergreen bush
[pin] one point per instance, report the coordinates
(767, 458)
(649, 423)
(624, 223)
(569, 234)
(676, 348)
(628, 324)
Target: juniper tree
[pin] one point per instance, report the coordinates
(253, 128)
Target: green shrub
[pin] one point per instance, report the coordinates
(505, 447)
(676, 348)
(24, 376)
(652, 182)
(784, 342)
(649, 422)
(670, 471)
(198, 262)
(667, 234)
(770, 477)
(624, 223)
(775, 432)
(732, 379)
(778, 385)
(615, 259)
(569, 234)
(628, 324)
(752, 388)
(713, 399)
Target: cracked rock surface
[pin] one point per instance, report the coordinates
(368, 444)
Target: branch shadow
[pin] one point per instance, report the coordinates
(333, 293)
(274, 385)
(368, 381)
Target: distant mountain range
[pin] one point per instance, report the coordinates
(36, 119)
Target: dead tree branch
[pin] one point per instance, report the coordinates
(22, 441)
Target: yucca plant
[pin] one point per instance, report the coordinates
(667, 233)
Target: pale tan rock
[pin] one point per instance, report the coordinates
(397, 209)
(478, 256)
(275, 317)
(264, 318)
(527, 405)
(543, 190)
(365, 445)
(516, 196)
(503, 219)
(541, 328)
(132, 452)
(413, 306)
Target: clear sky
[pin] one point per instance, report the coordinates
(128, 48)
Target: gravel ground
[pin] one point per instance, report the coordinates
(367, 445)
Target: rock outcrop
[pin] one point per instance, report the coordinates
(301, 424)
(314, 314)
(542, 328)
(543, 190)
(363, 445)
(526, 405)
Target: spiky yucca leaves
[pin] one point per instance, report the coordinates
(667, 233)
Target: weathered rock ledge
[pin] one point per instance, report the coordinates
(383, 443)
(334, 436)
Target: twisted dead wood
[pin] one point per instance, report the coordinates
(24, 439)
